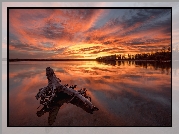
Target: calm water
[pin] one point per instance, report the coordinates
(126, 93)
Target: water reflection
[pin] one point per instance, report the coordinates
(58, 102)
(163, 66)
(127, 93)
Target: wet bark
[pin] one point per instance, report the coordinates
(54, 95)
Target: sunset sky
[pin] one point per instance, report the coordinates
(87, 33)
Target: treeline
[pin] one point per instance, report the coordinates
(162, 55)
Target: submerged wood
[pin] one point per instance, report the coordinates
(55, 94)
(54, 107)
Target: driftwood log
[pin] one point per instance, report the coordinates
(54, 95)
(54, 107)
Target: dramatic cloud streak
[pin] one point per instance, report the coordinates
(87, 33)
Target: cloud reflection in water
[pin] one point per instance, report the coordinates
(127, 93)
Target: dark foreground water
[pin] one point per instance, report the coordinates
(126, 93)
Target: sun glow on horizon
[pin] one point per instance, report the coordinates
(87, 33)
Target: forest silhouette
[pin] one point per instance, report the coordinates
(162, 55)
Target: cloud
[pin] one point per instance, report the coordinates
(84, 32)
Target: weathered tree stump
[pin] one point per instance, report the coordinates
(54, 95)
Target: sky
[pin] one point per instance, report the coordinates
(87, 33)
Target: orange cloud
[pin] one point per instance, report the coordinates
(62, 33)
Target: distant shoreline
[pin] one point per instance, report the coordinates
(16, 60)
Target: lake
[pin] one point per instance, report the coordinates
(127, 93)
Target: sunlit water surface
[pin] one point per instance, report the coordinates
(126, 93)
